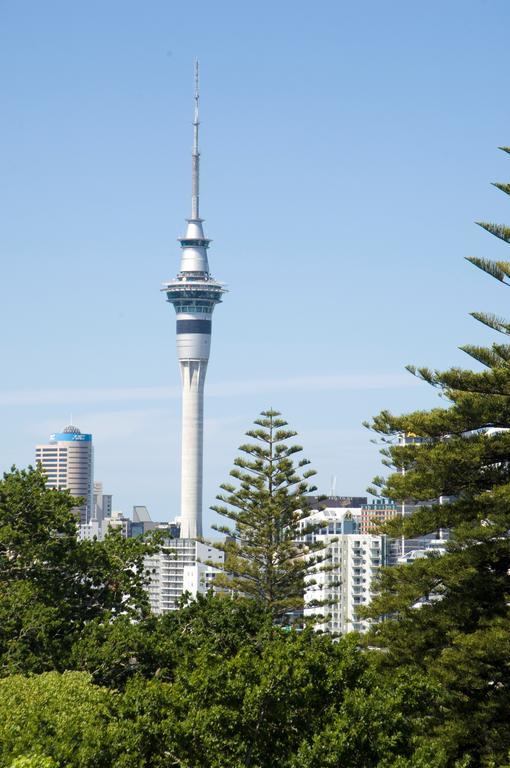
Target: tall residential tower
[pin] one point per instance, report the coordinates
(194, 294)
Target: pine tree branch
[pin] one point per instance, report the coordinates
(503, 187)
(487, 357)
(498, 230)
(497, 269)
(492, 321)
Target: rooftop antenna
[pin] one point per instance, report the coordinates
(195, 156)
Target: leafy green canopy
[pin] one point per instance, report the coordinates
(115, 652)
(61, 718)
(293, 700)
(449, 616)
(266, 557)
(52, 585)
(231, 691)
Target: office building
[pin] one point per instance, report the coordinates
(68, 462)
(428, 548)
(142, 522)
(377, 513)
(194, 293)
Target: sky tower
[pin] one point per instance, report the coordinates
(194, 294)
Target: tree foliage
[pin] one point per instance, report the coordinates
(266, 557)
(449, 616)
(290, 699)
(116, 652)
(62, 718)
(232, 691)
(52, 585)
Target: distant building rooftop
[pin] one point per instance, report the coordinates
(141, 515)
(71, 430)
(316, 502)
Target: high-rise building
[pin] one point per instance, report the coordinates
(102, 502)
(353, 560)
(68, 462)
(194, 293)
(181, 566)
(400, 548)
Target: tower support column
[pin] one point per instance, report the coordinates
(192, 446)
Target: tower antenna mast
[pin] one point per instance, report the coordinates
(195, 157)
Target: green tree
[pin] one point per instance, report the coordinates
(216, 684)
(34, 761)
(243, 693)
(58, 720)
(449, 616)
(266, 557)
(115, 652)
(52, 585)
(63, 718)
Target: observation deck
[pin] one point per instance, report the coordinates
(196, 293)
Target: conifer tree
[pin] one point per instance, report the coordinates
(449, 615)
(266, 557)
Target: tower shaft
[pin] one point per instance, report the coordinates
(192, 446)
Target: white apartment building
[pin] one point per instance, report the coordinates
(67, 461)
(117, 521)
(354, 560)
(98, 528)
(180, 566)
(91, 531)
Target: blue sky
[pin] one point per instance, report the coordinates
(347, 149)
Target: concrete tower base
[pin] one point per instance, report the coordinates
(193, 379)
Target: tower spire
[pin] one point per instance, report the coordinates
(195, 156)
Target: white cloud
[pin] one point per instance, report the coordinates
(85, 396)
(338, 383)
(126, 424)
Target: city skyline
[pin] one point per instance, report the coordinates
(311, 159)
